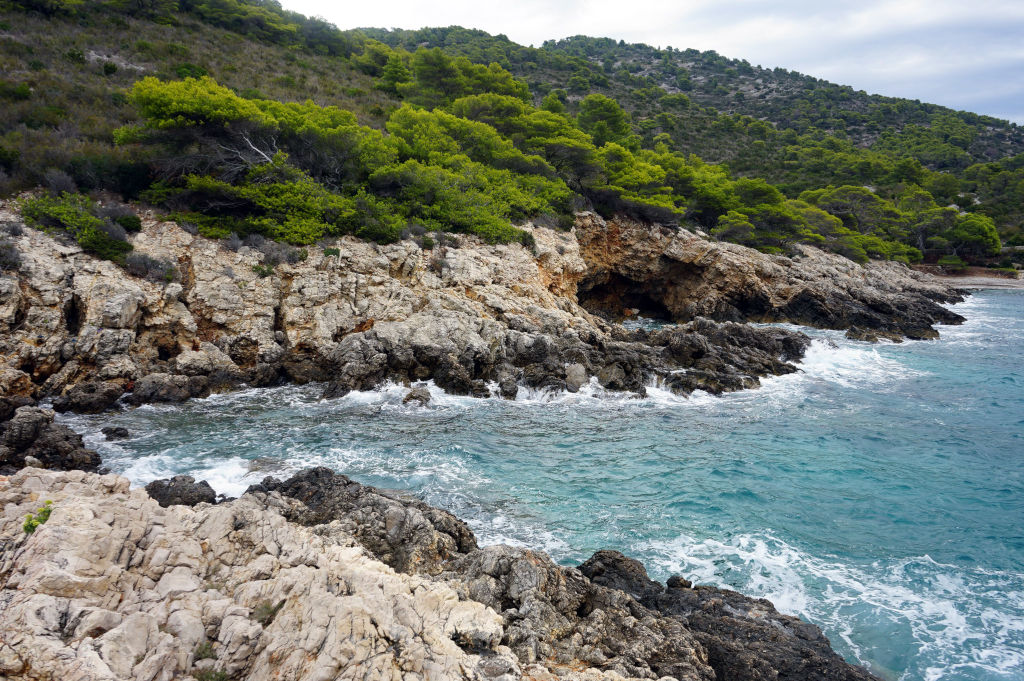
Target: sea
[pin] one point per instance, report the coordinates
(878, 492)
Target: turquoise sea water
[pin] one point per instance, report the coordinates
(878, 493)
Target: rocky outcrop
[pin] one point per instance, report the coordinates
(467, 315)
(29, 437)
(181, 490)
(682, 276)
(289, 581)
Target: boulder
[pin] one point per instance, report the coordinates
(115, 432)
(181, 490)
(91, 397)
(419, 394)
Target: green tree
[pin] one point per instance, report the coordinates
(603, 119)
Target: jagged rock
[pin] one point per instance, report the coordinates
(115, 432)
(31, 433)
(167, 388)
(375, 313)
(683, 276)
(181, 490)
(89, 397)
(575, 377)
(508, 388)
(268, 594)
(420, 395)
(115, 587)
(406, 534)
(8, 406)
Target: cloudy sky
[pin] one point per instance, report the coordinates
(966, 54)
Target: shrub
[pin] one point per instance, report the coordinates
(18, 93)
(232, 243)
(263, 271)
(147, 267)
(75, 56)
(332, 251)
(74, 215)
(10, 257)
(952, 263)
(58, 182)
(204, 651)
(187, 70)
(427, 243)
(265, 612)
(109, 68)
(41, 516)
(211, 675)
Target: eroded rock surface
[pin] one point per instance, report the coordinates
(468, 315)
(636, 265)
(28, 436)
(115, 586)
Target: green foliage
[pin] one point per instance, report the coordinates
(265, 612)
(74, 215)
(41, 516)
(263, 271)
(332, 251)
(952, 262)
(211, 675)
(603, 119)
(204, 651)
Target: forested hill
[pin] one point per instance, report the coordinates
(940, 137)
(252, 122)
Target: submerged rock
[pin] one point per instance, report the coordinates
(420, 395)
(115, 432)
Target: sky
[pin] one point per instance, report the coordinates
(964, 54)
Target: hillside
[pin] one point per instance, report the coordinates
(246, 120)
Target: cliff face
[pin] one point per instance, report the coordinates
(683, 276)
(290, 582)
(464, 315)
(467, 315)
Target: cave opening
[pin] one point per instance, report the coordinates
(74, 313)
(619, 297)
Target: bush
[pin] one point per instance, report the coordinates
(204, 651)
(74, 214)
(952, 263)
(10, 257)
(153, 269)
(41, 516)
(263, 271)
(332, 251)
(58, 182)
(265, 612)
(109, 68)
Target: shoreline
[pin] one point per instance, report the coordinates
(981, 282)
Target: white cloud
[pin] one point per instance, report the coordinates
(965, 55)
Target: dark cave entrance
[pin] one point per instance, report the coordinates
(619, 297)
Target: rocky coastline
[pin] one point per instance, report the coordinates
(475, 318)
(321, 577)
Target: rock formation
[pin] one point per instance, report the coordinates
(678, 274)
(290, 581)
(467, 315)
(29, 437)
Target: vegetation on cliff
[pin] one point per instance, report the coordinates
(332, 132)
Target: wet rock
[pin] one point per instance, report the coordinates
(419, 394)
(181, 490)
(575, 377)
(31, 433)
(167, 388)
(508, 387)
(89, 398)
(115, 432)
